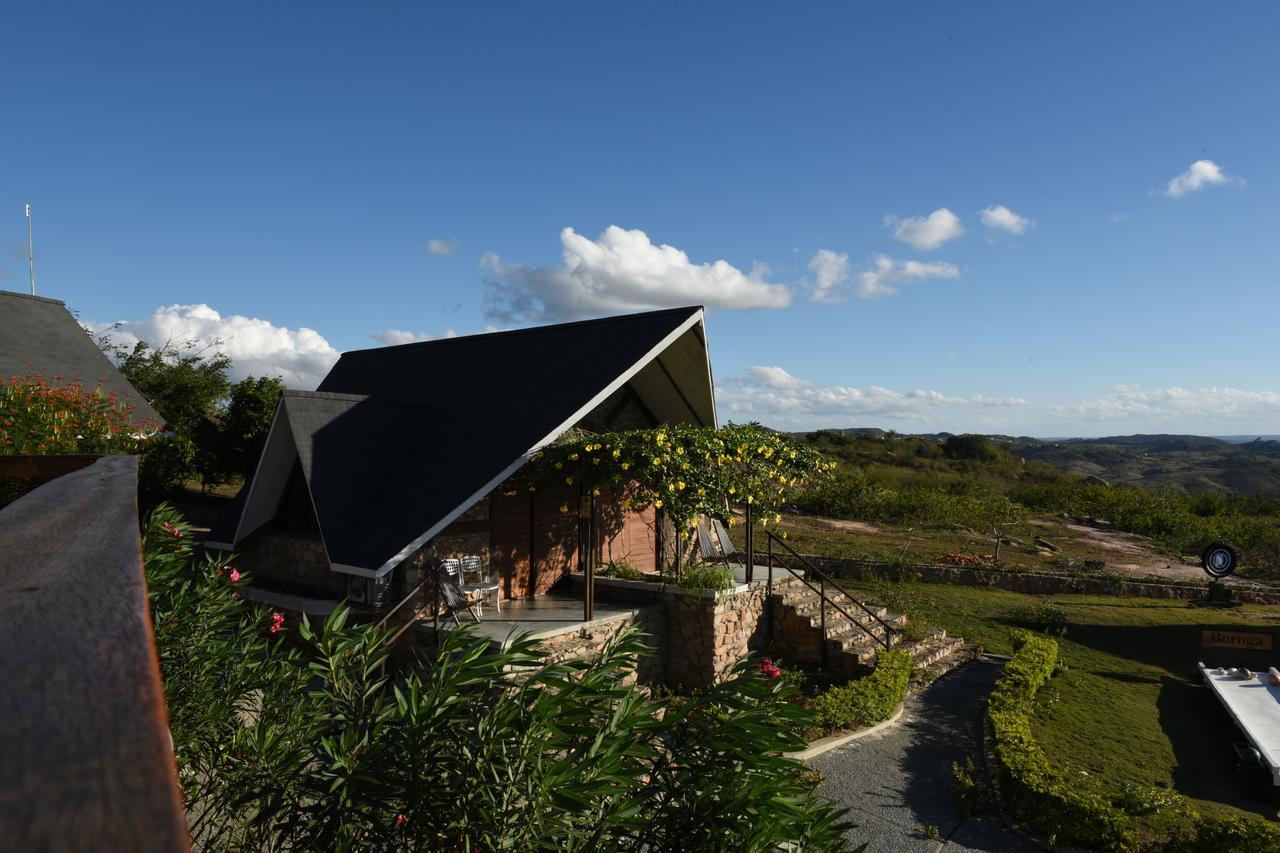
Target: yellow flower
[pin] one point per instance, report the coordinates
(732, 490)
(777, 518)
(596, 491)
(573, 457)
(616, 453)
(559, 465)
(626, 465)
(732, 521)
(568, 481)
(679, 485)
(680, 450)
(658, 504)
(751, 499)
(564, 507)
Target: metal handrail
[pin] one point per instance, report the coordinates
(382, 623)
(825, 579)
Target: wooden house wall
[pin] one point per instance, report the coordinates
(529, 544)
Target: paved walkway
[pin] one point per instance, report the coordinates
(899, 783)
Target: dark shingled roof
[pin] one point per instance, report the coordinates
(40, 336)
(397, 438)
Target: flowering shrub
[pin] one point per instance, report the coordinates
(42, 417)
(319, 743)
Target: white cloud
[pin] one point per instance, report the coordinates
(1178, 405)
(886, 273)
(1200, 174)
(831, 270)
(394, 337)
(775, 397)
(618, 272)
(442, 247)
(256, 347)
(1119, 217)
(927, 232)
(1002, 218)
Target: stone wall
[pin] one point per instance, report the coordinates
(292, 562)
(1031, 583)
(707, 633)
(586, 643)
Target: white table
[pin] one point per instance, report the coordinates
(1255, 706)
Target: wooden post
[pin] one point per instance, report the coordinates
(87, 761)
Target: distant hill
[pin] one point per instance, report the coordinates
(1182, 463)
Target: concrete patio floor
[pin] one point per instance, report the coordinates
(544, 616)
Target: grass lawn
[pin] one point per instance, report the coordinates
(1130, 707)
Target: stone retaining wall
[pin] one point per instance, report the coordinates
(1031, 583)
(587, 642)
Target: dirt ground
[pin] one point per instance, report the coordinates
(1126, 553)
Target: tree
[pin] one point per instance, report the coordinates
(218, 428)
(242, 429)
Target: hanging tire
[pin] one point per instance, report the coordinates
(1219, 560)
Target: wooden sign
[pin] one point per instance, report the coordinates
(1244, 641)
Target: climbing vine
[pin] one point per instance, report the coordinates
(685, 471)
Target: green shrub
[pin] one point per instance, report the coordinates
(866, 700)
(1043, 615)
(319, 743)
(624, 569)
(1230, 834)
(1041, 796)
(697, 576)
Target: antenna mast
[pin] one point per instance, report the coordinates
(31, 260)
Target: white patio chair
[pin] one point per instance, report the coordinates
(473, 565)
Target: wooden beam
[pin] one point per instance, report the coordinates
(45, 466)
(87, 758)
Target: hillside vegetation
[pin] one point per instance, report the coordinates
(980, 483)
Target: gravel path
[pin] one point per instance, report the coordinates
(898, 783)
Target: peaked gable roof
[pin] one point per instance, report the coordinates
(39, 335)
(399, 441)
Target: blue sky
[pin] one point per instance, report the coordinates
(287, 166)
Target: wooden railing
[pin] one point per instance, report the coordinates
(86, 761)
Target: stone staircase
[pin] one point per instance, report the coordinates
(854, 631)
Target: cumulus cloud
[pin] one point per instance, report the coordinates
(619, 271)
(394, 337)
(1200, 174)
(831, 270)
(885, 274)
(1179, 405)
(927, 232)
(256, 347)
(775, 397)
(999, 217)
(442, 247)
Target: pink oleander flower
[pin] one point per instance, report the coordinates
(400, 819)
(234, 575)
(171, 530)
(769, 669)
(277, 622)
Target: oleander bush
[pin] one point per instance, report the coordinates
(290, 736)
(867, 700)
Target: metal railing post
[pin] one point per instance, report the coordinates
(822, 609)
(751, 545)
(768, 597)
(435, 614)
